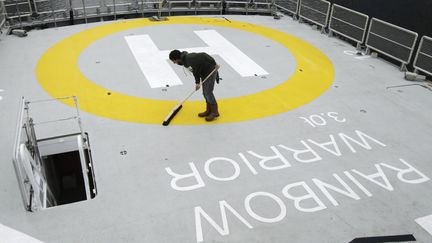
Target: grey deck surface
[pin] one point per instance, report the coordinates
(135, 202)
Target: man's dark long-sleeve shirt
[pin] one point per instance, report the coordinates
(202, 64)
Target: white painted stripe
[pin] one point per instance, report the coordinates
(153, 63)
(239, 61)
(10, 235)
(426, 223)
(155, 66)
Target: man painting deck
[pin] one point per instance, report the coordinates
(202, 65)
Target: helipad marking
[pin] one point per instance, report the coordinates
(154, 62)
(59, 74)
(13, 236)
(426, 223)
(239, 61)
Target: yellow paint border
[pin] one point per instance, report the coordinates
(58, 73)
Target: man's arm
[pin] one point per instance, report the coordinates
(197, 74)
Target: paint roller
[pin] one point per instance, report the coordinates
(177, 108)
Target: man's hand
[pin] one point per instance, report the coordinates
(197, 86)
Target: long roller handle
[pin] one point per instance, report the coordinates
(193, 91)
(179, 105)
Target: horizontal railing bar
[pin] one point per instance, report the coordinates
(316, 10)
(289, 10)
(350, 10)
(347, 36)
(60, 136)
(58, 120)
(46, 100)
(426, 54)
(387, 39)
(394, 26)
(348, 23)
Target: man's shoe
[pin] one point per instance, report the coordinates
(205, 113)
(214, 112)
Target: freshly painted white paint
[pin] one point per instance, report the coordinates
(426, 223)
(153, 62)
(238, 60)
(155, 66)
(12, 236)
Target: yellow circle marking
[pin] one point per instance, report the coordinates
(58, 73)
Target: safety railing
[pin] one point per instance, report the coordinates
(391, 40)
(180, 6)
(2, 14)
(27, 155)
(35, 12)
(385, 38)
(27, 162)
(237, 6)
(20, 13)
(348, 23)
(150, 6)
(315, 11)
(17, 11)
(290, 6)
(87, 11)
(22, 137)
(119, 7)
(423, 59)
(208, 6)
(261, 6)
(49, 11)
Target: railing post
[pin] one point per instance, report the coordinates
(71, 13)
(114, 6)
(142, 8)
(53, 13)
(79, 118)
(84, 9)
(19, 13)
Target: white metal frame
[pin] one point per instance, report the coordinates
(31, 180)
(35, 178)
(18, 168)
(345, 35)
(404, 62)
(420, 52)
(313, 21)
(32, 183)
(81, 141)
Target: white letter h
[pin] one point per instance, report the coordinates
(158, 72)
